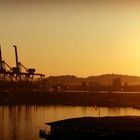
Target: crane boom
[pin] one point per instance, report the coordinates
(16, 56)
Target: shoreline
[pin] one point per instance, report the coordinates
(71, 99)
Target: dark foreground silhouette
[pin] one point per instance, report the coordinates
(92, 127)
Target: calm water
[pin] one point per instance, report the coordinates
(24, 122)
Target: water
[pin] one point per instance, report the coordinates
(24, 122)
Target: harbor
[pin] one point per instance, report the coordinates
(69, 69)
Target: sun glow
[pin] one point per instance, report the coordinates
(82, 39)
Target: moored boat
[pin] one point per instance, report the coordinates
(90, 127)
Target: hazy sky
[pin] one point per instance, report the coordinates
(74, 37)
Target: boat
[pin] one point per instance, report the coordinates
(90, 127)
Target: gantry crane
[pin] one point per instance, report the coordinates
(16, 73)
(18, 76)
(29, 72)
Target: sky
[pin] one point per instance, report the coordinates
(81, 37)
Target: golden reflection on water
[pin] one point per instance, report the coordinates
(24, 122)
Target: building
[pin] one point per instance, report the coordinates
(116, 84)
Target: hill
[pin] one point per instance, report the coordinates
(105, 79)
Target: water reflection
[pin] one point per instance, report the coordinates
(24, 122)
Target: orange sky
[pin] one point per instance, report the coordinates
(80, 38)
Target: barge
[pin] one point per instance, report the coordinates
(90, 127)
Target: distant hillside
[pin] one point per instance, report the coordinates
(105, 79)
(65, 80)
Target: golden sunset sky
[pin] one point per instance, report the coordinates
(80, 37)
